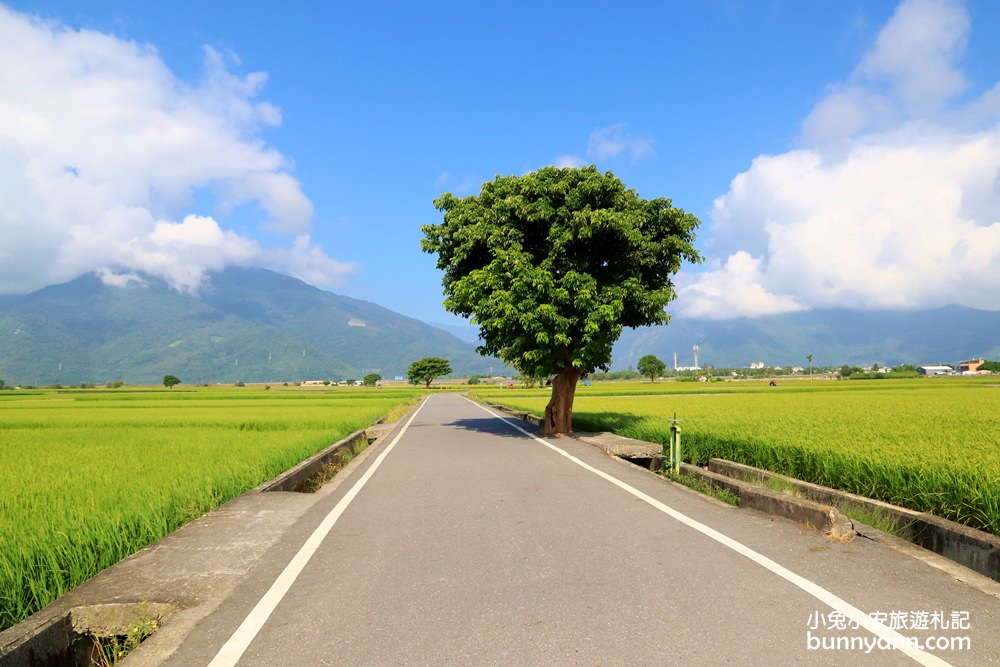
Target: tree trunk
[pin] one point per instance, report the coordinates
(559, 411)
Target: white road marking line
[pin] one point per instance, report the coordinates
(826, 597)
(237, 644)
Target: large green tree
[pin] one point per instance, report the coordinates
(426, 369)
(551, 265)
(651, 366)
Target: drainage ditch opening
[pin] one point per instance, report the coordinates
(334, 464)
(92, 636)
(646, 463)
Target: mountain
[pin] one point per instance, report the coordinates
(468, 332)
(244, 324)
(833, 337)
(255, 325)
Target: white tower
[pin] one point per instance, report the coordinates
(696, 357)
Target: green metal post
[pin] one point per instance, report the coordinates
(675, 444)
(677, 459)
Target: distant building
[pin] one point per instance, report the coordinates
(970, 366)
(935, 370)
(755, 365)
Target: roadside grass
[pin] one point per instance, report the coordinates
(703, 487)
(111, 649)
(882, 521)
(781, 486)
(89, 477)
(929, 445)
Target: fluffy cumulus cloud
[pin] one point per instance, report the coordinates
(891, 201)
(102, 148)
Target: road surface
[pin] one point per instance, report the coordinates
(464, 540)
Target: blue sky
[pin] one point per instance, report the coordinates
(838, 153)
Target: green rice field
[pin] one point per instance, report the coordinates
(88, 477)
(930, 444)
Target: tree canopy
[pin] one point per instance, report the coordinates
(426, 369)
(170, 380)
(651, 366)
(553, 264)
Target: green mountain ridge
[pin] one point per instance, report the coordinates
(833, 336)
(254, 325)
(244, 324)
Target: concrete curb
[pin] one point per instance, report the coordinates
(180, 578)
(523, 415)
(975, 549)
(295, 478)
(823, 518)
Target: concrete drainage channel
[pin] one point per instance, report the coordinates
(99, 634)
(312, 473)
(165, 589)
(820, 508)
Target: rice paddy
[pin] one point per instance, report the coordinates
(92, 476)
(932, 445)
(88, 477)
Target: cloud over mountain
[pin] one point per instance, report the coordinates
(892, 199)
(105, 156)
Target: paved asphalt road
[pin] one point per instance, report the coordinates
(471, 542)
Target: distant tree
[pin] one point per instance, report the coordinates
(2, 384)
(651, 367)
(553, 264)
(370, 379)
(875, 367)
(473, 379)
(809, 358)
(170, 380)
(115, 384)
(426, 369)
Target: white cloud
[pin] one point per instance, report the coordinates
(616, 140)
(442, 180)
(467, 186)
(307, 262)
(101, 146)
(110, 277)
(917, 53)
(734, 290)
(568, 161)
(893, 201)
